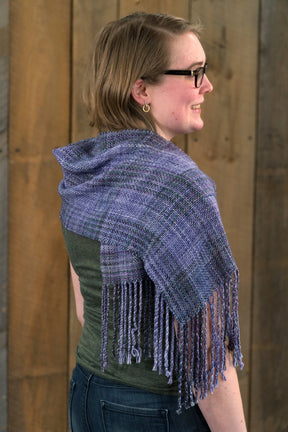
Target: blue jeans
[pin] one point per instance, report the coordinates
(102, 405)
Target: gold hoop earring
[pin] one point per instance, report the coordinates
(146, 108)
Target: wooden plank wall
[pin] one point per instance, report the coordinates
(4, 27)
(243, 146)
(269, 372)
(225, 147)
(38, 284)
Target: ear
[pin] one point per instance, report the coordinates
(139, 92)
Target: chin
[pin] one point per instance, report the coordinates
(194, 129)
(197, 126)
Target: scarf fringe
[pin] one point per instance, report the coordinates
(193, 353)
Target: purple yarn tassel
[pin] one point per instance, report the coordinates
(194, 352)
(105, 318)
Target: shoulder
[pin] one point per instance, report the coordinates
(172, 167)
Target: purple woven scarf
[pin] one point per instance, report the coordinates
(170, 282)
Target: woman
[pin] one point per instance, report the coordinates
(155, 282)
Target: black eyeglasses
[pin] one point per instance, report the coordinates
(197, 73)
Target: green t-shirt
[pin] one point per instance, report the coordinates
(84, 255)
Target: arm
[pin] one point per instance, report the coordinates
(223, 410)
(78, 296)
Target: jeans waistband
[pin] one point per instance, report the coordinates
(91, 377)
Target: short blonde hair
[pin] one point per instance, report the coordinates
(133, 47)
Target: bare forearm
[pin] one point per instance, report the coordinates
(79, 303)
(223, 410)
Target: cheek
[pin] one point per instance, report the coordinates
(180, 106)
(175, 115)
(185, 98)
(173, 102)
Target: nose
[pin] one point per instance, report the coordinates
(206, 86)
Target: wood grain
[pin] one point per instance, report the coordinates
(38, 290)
(269, 379)
(155, 6)
(88, 18)
(225, 148)
(4, 85)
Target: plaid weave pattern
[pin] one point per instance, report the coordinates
(156, 216)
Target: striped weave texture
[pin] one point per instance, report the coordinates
(169, 277)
